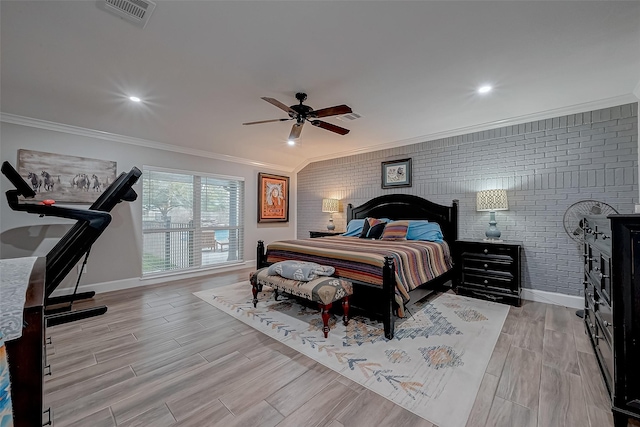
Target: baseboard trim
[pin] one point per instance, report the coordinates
(135, 282)
(554, 298)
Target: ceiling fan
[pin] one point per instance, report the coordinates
(301, 113)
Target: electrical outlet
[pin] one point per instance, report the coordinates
(637, 209)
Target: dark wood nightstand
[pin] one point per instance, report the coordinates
(314, 234)
(488, 270)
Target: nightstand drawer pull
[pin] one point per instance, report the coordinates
(486, 281)
(486, 251)
(486, 266)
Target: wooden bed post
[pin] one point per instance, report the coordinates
(453, 220)
(389, 292)
(260, 255)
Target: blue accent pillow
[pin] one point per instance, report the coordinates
(424, 230)
(354, 228)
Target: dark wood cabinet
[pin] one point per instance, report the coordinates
(612, 307)
(314, 234)
(488, 270)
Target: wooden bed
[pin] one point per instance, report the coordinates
(379, 300)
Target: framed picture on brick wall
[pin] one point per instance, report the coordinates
(396, 173)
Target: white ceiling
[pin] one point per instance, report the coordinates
(409, 68)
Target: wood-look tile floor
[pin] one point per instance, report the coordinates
(162, 357)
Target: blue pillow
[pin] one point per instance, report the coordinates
(424, 230)
(354, 228)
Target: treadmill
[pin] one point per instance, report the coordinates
(76, 243)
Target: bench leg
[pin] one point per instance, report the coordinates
(275, 294)
(254, 290)
(325, 318)
(345, 310)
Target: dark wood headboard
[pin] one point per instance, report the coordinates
(406, 206)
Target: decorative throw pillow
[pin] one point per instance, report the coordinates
(368, 223)
(354, 228)
(299, 270)
(395, 230)
(376, 231)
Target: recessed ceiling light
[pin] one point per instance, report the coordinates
(291, 142)
(484, 89)
(135, 99)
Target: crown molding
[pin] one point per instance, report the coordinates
(91, 133)
(548, 114)
(557, 112)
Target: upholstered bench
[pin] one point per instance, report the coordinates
(323, 290)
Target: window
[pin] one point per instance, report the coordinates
(190, 221)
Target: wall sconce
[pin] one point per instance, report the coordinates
(330, 205)
(492, 201)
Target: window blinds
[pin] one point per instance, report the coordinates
(190, 220)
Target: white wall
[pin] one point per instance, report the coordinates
(116, 256)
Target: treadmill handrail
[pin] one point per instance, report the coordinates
(95, 219)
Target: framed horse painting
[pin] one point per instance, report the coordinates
(65, 179)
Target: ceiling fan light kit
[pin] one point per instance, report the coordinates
(303, 113)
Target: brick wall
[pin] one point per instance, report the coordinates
(545, 165)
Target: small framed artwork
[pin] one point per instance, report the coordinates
(396, 173)
(273, 198)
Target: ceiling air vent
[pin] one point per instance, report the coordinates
(349, 117)
(135, 11)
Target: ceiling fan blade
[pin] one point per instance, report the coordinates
(266, 121)
(279, 105)
(332, 111)
(329, 126)
(295, 131)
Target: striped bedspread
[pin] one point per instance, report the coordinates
(416, 262)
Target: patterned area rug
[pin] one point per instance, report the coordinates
(433, 367)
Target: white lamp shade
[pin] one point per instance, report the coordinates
(330, 205)
(492, 200)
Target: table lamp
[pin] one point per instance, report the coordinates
(331, 206)
(492, 201)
